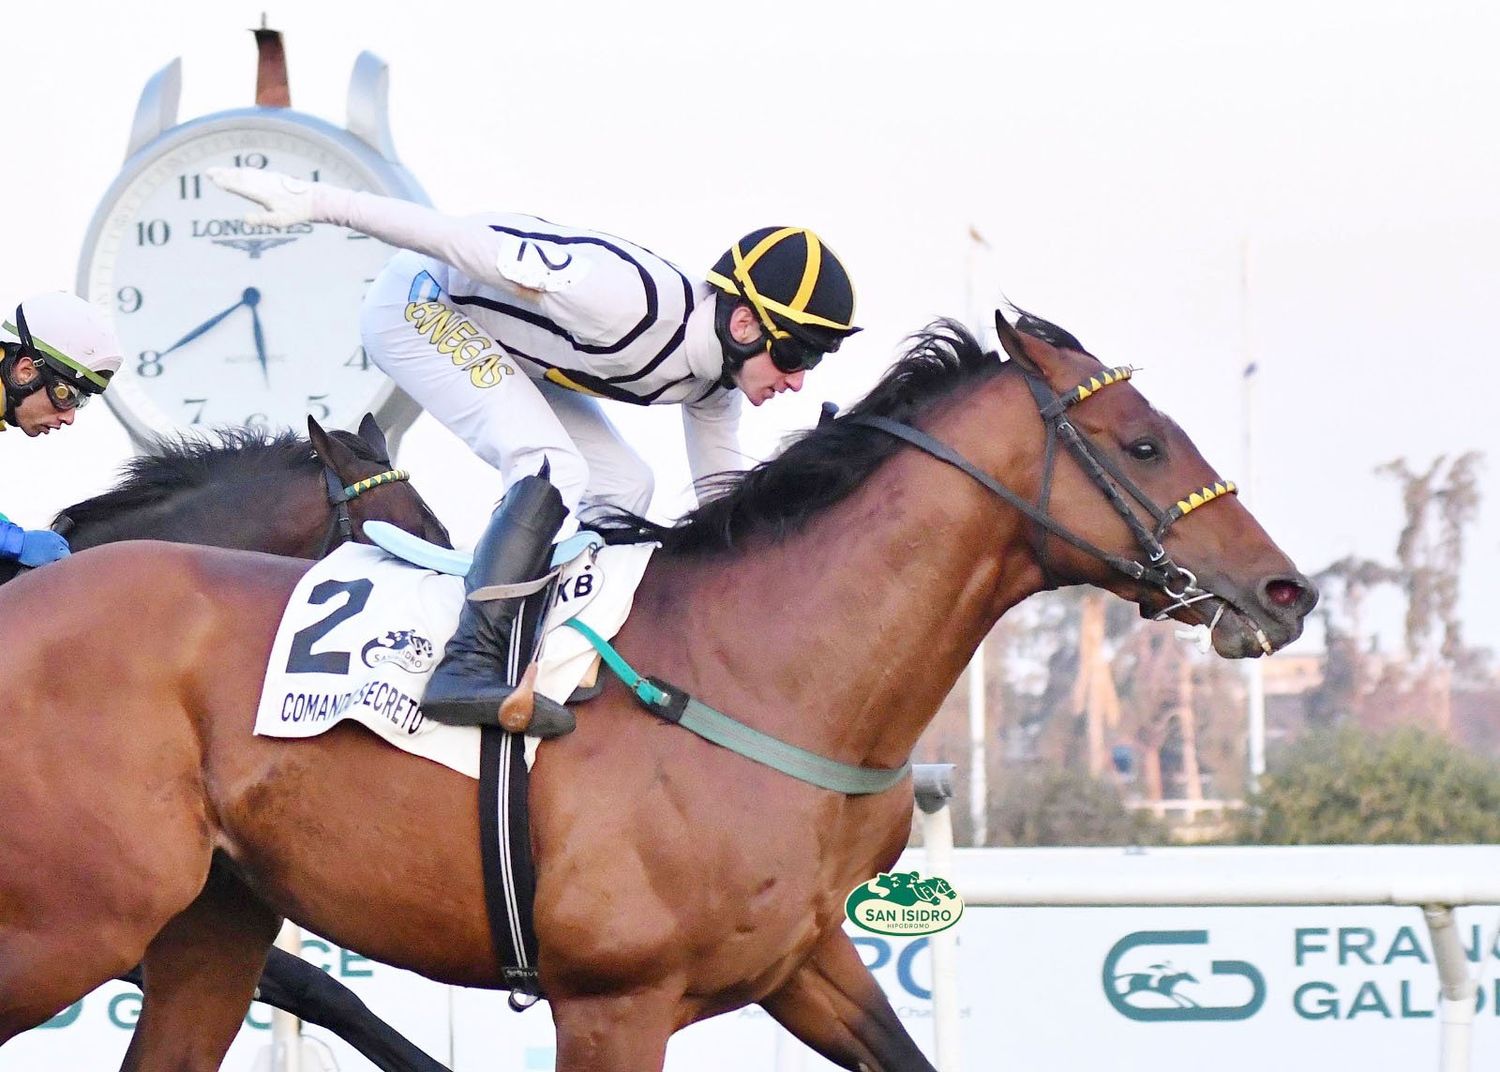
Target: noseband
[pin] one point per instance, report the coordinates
(340, 526)
(1154, 567)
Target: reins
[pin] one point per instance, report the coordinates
(1157, 570)
(340, 525)
(672, 704)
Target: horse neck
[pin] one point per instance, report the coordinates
(275, 511)
(846, 637)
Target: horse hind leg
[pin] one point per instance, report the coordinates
(199, 974)
(60, 941)
(42, 974)
(833, 1004)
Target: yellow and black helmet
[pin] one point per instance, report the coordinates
(797, 288)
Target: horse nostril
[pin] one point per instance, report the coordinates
(1288, 594)
(1283, 593)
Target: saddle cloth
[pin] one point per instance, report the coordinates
(363, 632)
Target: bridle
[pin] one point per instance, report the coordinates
(1154, 566)
(340, 526)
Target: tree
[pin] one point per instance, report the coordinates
(1052, 805)
(1347, 787)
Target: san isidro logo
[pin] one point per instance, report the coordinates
(903, 903)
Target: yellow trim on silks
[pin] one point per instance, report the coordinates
(743, 285)
(810, 270)
(1205, 495)
(556, 376)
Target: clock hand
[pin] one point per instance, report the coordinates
(201, 328)
(252, 299)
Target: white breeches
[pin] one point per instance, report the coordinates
(482, 395)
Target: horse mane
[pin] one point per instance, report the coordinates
(187, 462)
(823, 465)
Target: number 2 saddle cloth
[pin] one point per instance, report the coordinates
(359, 640)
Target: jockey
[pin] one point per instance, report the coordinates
(506, 328)
(56, 352)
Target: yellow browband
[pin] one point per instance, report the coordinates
(1203, 495)
(1104, 379)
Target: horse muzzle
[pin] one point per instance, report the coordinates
(1245, 625)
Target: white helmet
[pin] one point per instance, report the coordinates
(69, 336)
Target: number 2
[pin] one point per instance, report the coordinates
(302, 659)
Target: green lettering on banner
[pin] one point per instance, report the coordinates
(64, 1018)
(1322, 1005)
(1349, 947)
(125, 1010)
(322, 947)
(1303, 945)
(1368, 999)
(1407, 1012)
(1405, 944)
(348, 967)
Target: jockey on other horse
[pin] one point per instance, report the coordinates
(580, 315)
(56, 352)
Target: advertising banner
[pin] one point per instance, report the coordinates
(1232, 989)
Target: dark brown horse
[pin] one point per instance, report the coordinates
(239, 488)
(831, 597)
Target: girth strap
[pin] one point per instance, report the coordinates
(671, 704)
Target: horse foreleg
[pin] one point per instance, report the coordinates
(198, 976)
(614, 1033)
(833, 1004)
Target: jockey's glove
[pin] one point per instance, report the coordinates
(285, 200)
(31, 547)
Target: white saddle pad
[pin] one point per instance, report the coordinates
(363, 632)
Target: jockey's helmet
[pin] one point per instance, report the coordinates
(71, 342)
(797, 288)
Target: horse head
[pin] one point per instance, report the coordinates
(1123, 477)
(361, 466)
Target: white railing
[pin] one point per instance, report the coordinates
(1433, 878)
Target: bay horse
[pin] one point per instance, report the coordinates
(830, 597)
(237, 487)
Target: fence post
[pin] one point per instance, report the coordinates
(933, 785)
(1458, 988)
(286, 1029)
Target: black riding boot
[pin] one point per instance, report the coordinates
(488, 654)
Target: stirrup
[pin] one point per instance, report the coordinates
(526, 711)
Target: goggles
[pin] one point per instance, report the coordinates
(791, 354)
(62, 394)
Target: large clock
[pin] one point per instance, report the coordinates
(222, 323)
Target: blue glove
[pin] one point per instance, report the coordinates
(31, 547)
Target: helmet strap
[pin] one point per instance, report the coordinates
(735, 353)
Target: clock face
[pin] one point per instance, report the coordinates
(222, 323)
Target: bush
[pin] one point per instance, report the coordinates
(1347, 787)
(1049, 805)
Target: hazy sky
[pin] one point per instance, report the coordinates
(1123, 161)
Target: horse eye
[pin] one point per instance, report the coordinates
(1144, 450)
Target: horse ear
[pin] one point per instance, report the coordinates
(335, 454)
(1011, 342)
(370, 431)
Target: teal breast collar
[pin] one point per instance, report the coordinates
(673, 705)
